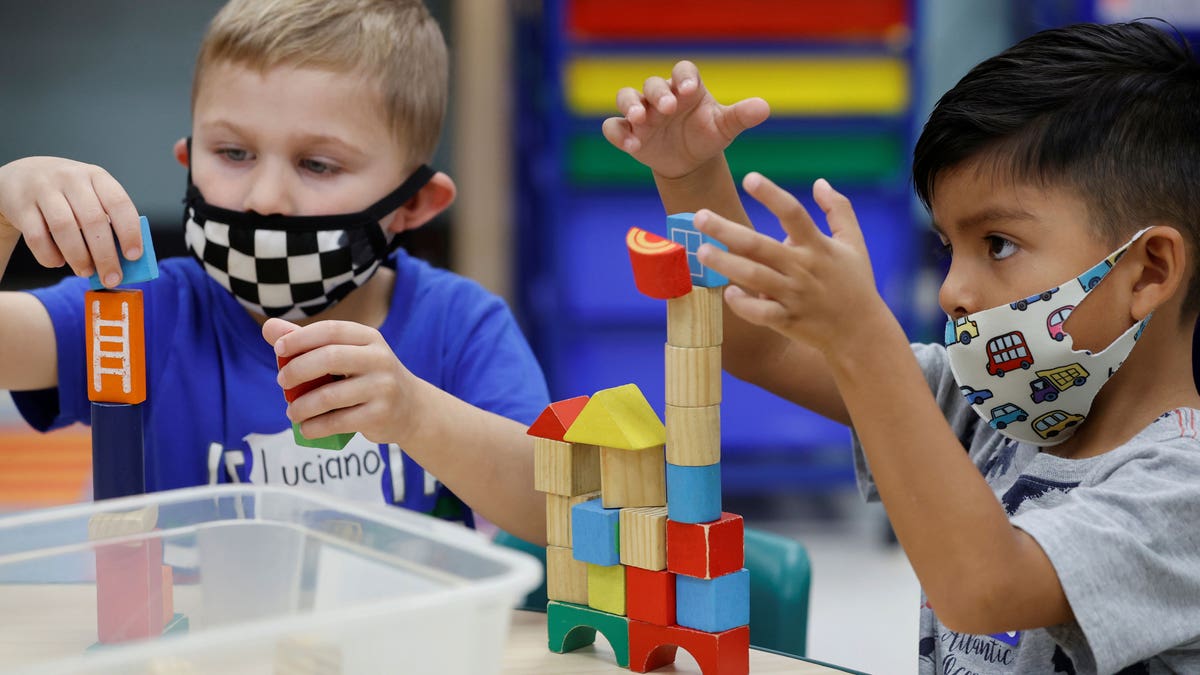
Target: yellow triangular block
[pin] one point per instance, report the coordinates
(618, 418)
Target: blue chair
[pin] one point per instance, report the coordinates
(780, 581)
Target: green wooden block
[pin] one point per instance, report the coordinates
(334, 442)
(573, 626)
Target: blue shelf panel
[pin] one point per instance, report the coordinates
(593, 280)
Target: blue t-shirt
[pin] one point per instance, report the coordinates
(215, 413)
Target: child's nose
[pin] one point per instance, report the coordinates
(956, 295)
(269, 192)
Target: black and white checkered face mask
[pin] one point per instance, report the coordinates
(292, 266)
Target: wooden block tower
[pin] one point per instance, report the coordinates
(133, 587)
(662, 563)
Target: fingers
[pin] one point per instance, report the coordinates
(757, 310)
(631, 105)
(743, 115)
(659, 95)
(121, 212)
(792, 215)
(742, 241)
(619, 132)
(37, 237)
(839, 212)
(64, 230)
(685, 80)
(301, 339)
(97, 236)
(274, 329)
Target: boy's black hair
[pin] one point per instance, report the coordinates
(1111, 112)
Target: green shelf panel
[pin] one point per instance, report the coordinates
(841, 158)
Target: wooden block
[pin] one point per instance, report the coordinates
(116, 346)
(566, 469)
(307, 655)
(113, 524)
(118, 451)
(566, 577)
(725, 653)
(713, 605)
(606, 588)
(693, 435)
(557, 418)
(650, 595)
(706, 550)
(644, 537)
(681, 229)
(633, 477)
(129, 586)
(619, 417)
(660, 267)
(144, 268)
(331, 442)
(558, 516)
(694, 493)
(168, 594)
(596, 533)
(573, 626)
(695, 320)
(693, 376)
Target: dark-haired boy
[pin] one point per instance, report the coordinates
(1053, 527)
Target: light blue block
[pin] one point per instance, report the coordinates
(596, 533)
(144, 268)
(713, 605)
(694, 493)
(682, 230)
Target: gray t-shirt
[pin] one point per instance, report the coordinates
(1122, 530)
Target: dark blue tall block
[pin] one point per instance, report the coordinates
(118, 453)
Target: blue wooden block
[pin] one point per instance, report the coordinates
(144, 268)
(681, 230)
(595, 533)
(118, 460)
(713, 605)
(694, 493)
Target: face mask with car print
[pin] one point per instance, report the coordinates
(1017, 368)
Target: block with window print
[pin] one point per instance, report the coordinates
(681, 229)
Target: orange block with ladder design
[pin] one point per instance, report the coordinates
(116, 346)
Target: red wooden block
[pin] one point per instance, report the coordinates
(724, 653)
(129, 588)
(303, 388)
(660, 266)
(116, 346)
(650, 595)
(168, 593)
(706, 550)
(557, 418)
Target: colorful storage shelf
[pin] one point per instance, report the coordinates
(839, 78)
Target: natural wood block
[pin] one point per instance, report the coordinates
(122, 523)
(693, 435)
(644, 537)
(633, 477)
(606, 588)
(566, 469)
(566, 577)
(693, 376)
(695, 320)
(650, 595)
(619, 417)
(116, 346)
(558, 517)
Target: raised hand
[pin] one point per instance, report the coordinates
(675, 125)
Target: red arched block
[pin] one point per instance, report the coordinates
(660, 266)
(724, 653)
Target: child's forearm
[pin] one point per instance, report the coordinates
(980, 573)
(486, 459)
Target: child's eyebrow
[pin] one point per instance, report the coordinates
(985, 216)
(303, 140)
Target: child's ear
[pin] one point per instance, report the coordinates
(181, 152)
(1163, 271)
(429, 201)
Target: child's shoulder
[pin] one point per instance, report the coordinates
(1180, 427)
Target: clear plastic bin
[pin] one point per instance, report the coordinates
(260, 580)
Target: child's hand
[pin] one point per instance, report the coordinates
(68, 211)
(810, 287)
(376, 395)
(674, 126)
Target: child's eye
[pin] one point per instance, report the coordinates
(233, 154)
(317, 167)
(999, 247)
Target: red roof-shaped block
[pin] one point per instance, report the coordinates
(557, 418)
(660, 266)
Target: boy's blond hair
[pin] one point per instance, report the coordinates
(394, 43)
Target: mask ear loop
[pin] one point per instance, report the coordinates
(1112, 259)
